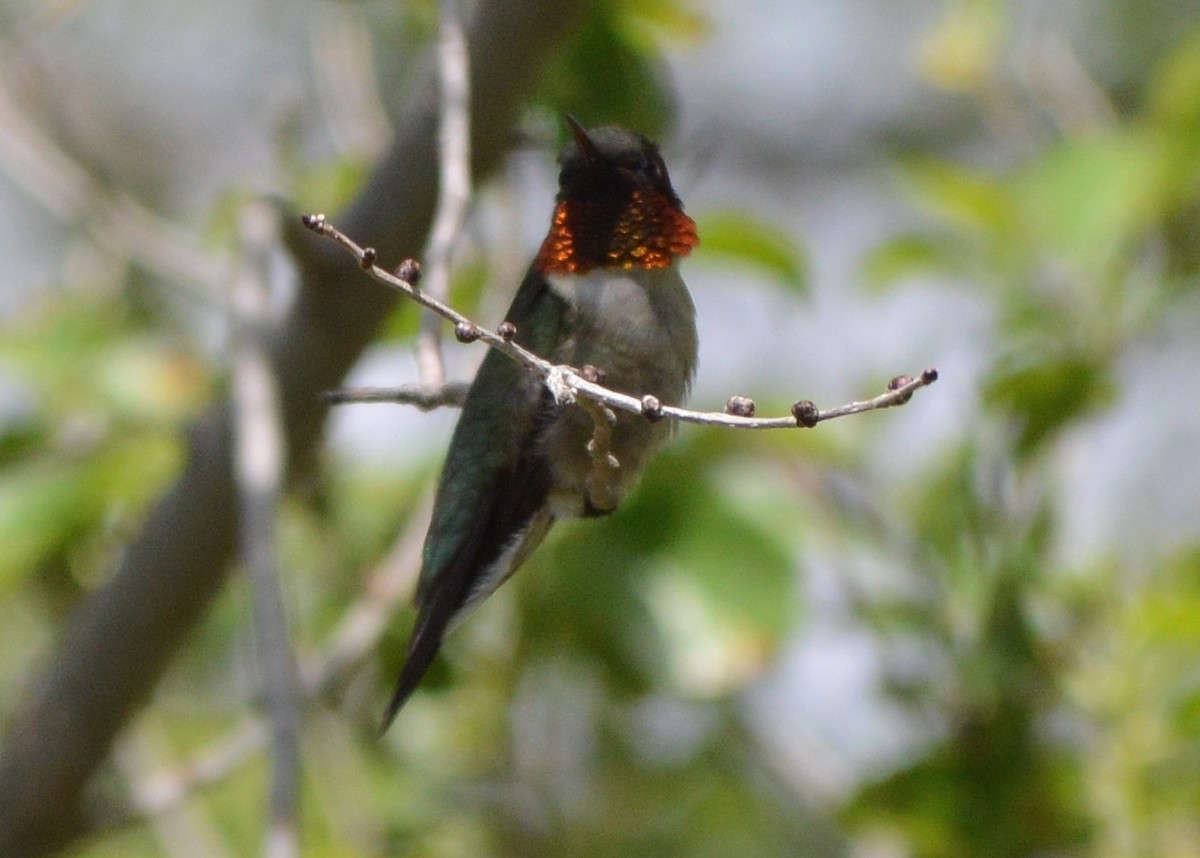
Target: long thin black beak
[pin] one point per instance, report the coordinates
(586, 147)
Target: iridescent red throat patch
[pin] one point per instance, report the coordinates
(649, 231)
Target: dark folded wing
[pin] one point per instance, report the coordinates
(490, 506)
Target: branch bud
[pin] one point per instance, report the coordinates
(652, 408)
(409, 271)
(740, 406)
(899, 382)
(315, 222)
(466, 332)
(507, 330)
(806, 413)
(368, 258)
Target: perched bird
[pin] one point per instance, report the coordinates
(604, 291)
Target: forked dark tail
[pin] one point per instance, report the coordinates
(433, 618)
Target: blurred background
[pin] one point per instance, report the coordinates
(968, 626)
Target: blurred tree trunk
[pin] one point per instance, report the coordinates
(119, 642)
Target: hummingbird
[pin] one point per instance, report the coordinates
(604, 291)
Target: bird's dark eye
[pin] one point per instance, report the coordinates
(653, 166)
(660, 169)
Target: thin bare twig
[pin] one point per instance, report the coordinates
(183, 831)
(346, 78)
(387, 585)
(450, 394)
(163, 790)
(567, 383)
(454, 182)
(1050, 72)
(114, 221)
(258, 470)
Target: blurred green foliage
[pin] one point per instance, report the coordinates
(95, 438)
(597, 705)
(1086, 240)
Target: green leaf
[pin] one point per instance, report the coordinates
(46, 503)
(83, 356)
(1173, 92)
(672, 578)
(1088, 198)
(749, 240)
(964, 197)
(668, 17)
(962, 51)
(1045, 396)
(720, 595)
(601, 50)
(905, 256)
(328, 187)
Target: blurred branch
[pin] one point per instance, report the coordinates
(116, 222)
(182, 832)
(346, 78)
(258, 467)
(452, 393)
(159, 793)
(362, 624)
(454, 183)
(121, 639)
(1050, 71)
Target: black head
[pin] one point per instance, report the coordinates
(611, 161)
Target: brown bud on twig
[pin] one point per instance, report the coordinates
(652, 408)
(740, 406)
(368, 258)
(899, 382)
(466, 332)
(507, 330)
(409, 271)
(315, 222)
(929, 376)
(806, 414)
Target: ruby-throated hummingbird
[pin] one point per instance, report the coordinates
(604, 291)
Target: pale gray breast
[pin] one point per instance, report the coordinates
(639, 328)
